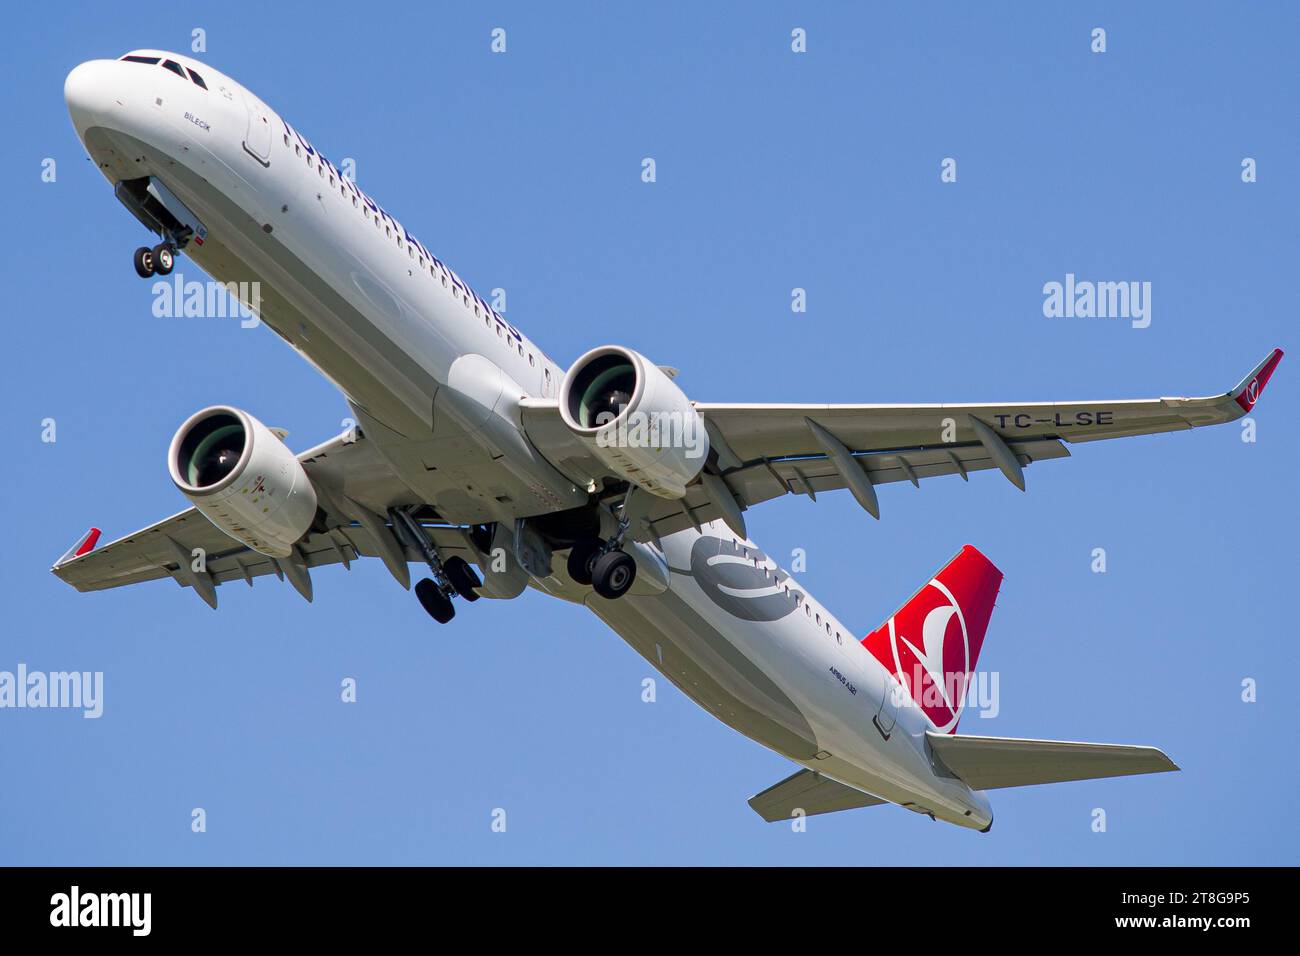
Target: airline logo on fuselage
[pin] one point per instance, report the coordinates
(741, 581)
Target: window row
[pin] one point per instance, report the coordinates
(424, 264)
(813, 616)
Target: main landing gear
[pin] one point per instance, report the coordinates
(608, 570)
(450, 578)
(604, 564)
(160, 260)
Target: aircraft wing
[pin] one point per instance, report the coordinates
(355, 488)
(765, 451)
(811, 792)
(991, 763)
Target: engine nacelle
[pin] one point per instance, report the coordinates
(635, 420)
(243, 479)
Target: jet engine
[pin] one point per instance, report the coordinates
(243, 479)
(635, 419)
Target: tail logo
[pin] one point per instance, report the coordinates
(931, 657)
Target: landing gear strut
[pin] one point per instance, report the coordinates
(451, 577)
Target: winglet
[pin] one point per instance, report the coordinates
(85, 544)
(1248, 390)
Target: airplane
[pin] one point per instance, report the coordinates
(602, 484)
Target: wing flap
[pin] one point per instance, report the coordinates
(992, 763)
(812, 475)
(811, 792)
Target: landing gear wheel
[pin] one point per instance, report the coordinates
(582, 556)
(143, 260)
(434, 601)
(462, 577)
(164, 258)
(613, 574)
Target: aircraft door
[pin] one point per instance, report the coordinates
(887, 715)
(257, 139)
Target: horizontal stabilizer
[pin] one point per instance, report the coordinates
(990, 763)
(810, 792)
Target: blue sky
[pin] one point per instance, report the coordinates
(775, 171)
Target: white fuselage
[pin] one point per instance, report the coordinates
(424, 361)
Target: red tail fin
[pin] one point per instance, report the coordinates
(932, 643)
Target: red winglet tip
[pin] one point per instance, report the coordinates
(1249, 391)
(87, 543)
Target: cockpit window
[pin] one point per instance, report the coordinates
(167, 64)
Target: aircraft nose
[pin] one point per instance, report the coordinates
(87, 92)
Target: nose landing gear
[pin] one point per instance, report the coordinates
(160, 260)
